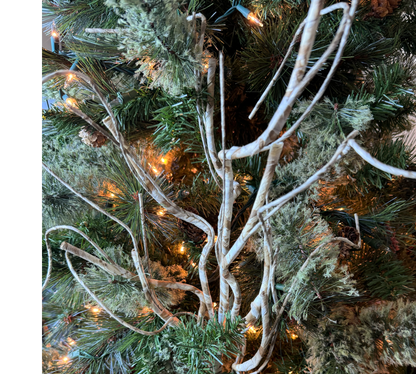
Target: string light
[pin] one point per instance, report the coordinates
(252, 329)
(249, 15)
(96, 310)
(54, 34)
(71, 341)
(70, 101)
(160, 212)
(252, 17)
(153, 168)
(65, 359)
(292, 335)
(182, 249)
(215, 304)
(70, 77)
(164, 161)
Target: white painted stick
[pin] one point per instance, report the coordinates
(378, 164)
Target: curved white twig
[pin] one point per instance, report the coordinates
(119, 320)
(378, 164)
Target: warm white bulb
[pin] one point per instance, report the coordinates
(251, 17)
(70, 101)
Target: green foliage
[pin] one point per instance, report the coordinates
(381, 274)
(362, 341)
(53, 61)
(402, 24)
(60, 121)
(120, 295)
(78, 165)
(296, 232)
(178, 124)
(380, 224)
(322, 131)
(158, 34)
(120, 190)
(78, 15)
(136, 114)
(191, 348)
(59, 205)
(391, 152)
(389, 91)
(264, 52)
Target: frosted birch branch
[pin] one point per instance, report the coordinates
(146, 252)
(85, 236)
(141, 274)
(209, 116)
(289, 51)
(150, 186)
(112, 315)
(253, 315)
(278, 203)
(345, 28)
(296, 83)
(378, 164)
(272, 161)
(104, 31)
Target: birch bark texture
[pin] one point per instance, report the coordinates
(221, 167)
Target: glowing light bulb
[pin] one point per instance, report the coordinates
(71, 341)
(215, 304)
(70, 101)
(292, 335)
(54, 34)
(252, 329)
(164, 161)
(65, 359)
(193, 264)
(70, 77)
(160, 212)
(153, 168)
(251, 17)
(95, 310)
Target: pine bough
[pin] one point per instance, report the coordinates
(222, 172)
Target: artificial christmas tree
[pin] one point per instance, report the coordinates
(258, 217)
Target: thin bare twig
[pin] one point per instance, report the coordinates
(378, 164)
(146, 252)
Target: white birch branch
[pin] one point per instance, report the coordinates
(272, 161)
(119, 320)
(277, 204)
(104, 31)
(253, 315)
(295, 89)
(157, 306)
(344, 27)
(146, 252)
(378, 164)
(209, 116)
(151, 186)
(85, 236)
